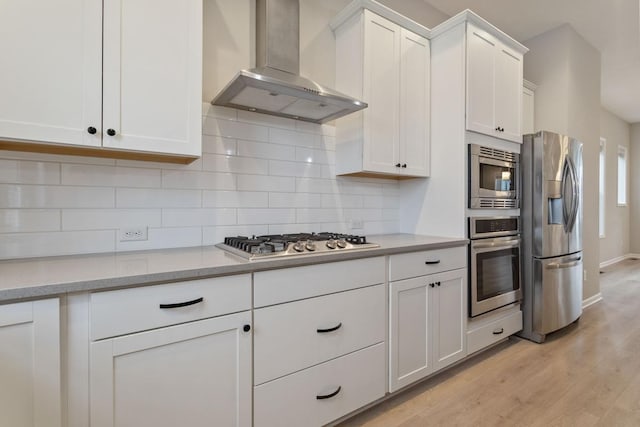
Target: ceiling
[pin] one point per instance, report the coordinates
(611, 26)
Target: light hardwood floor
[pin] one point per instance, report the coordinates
(585, 375)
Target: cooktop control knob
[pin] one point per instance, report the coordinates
(298, 246)
(331, 244)
(342, 243)
(311, 246)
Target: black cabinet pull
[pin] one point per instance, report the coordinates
(432, 262)
(498, 331)
(397, 165)
(246, 328)
(324, 331)
(182, 304)
(498, 129)
(92, 130)
(404, 165)
(330, 395)
(438, 283)
(432, 285)
(111, 132)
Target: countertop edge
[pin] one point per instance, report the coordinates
(50, 290)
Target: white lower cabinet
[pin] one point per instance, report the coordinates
(493, 327)
(323, 393)
(427, 325)
(30, 393)
(193, 374)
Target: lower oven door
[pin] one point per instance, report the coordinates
(495, 274)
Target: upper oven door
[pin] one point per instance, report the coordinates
(495, 273)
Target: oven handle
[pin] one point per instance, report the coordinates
(557, 265)
(496, 245)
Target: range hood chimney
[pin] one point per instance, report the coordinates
(275, 86)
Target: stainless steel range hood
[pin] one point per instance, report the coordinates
(275, 86)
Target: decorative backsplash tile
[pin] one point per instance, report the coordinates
(258, 174)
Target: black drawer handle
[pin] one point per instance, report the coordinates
(498, 331)
(324, 331)
(330, 395)
(432, 262)
(182, 304)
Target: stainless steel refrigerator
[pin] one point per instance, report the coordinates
(551, 213)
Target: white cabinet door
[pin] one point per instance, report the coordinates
(480, 81)
(409, 340)
(528, 104)
(494, 86)
(50, 78)
(381, 82)
(30, 394)
(449, 314)
(194, 374)
(153, 75)
(508, 99)
(414, 104)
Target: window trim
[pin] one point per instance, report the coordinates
(602, 188)
(622, 150)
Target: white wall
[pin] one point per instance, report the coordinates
(615, 244)
(567, 71)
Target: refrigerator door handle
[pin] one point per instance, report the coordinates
(575, 193)
(563, 188)
(558, 265)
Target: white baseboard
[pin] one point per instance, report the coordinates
(607, 263)
(591, 300)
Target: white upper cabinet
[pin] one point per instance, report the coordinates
(387, 66)
(494, 86)
(528, 104)
(126, 77)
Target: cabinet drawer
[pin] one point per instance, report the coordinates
(494, 331)
(278, 286)
(415, 264)
(130, 310)
(294, 400)
(294, 336)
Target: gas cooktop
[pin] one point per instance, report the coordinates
(282, 245)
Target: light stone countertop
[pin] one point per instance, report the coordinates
(43, 277)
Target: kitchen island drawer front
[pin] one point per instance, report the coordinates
(278, 286)
(125, 311)
(494, 331)
(294, 336)
(309, 398)
(404, 266)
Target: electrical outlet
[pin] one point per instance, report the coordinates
(357, 224)
(133, 233)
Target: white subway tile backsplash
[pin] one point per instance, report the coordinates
(152, 198)
(110, 176)
(198, 180)
(305, 215)
(266, 216)
(178, 237)
(49, 196)
(265, 150)
(232, 164)
(301, 169)
(294, 200)
(258, 175)
(23, 172)
(217, 145)
(235, 129)
(315, 185)
(23, 245)
(266, 183)
(198, 217)
(29, 220)
(290, 137)
(103, 219)
(233, 199)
